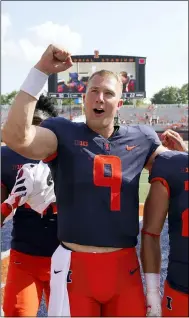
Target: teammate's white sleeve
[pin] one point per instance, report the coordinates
(33, 186)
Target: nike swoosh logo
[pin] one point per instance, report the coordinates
(134, 270)
(129, 148)
(56, 272)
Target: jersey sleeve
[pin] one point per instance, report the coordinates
(59, 127)
(50, 124)
(152, 137)
(162, 171)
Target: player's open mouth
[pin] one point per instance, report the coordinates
(98, 111)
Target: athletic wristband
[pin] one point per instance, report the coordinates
(152, 281)
(149, 233)
(34, 83)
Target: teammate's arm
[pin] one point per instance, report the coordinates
(18, 132)
(155, 211)
(157, 152)
(171, 141)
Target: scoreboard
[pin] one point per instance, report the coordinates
(72, 83)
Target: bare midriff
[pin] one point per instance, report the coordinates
(90, 249)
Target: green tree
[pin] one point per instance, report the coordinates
(184, 94)
(127, 102)
(7, 99)
(68, 101)
(167, 95)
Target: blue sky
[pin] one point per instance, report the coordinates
(155, 29)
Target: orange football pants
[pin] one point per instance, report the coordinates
(106, 284)
(175, 303)
(28, 276)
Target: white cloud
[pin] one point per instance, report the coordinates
(5, 24)
(39, 37)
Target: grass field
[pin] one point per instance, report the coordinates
(144, 186)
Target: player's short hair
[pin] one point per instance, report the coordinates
(47, 106)
(124, 74)
(104, 73)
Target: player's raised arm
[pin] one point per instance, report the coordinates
(18, 132)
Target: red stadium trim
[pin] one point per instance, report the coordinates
(50, 158)
(164, 182)
(149, 233)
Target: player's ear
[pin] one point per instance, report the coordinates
(83, 103)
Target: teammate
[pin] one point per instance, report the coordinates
(96, 178)
(34, 239)
(128, 82)
(168, 193)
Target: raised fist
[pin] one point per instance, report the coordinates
(173, 141)
(54, 60)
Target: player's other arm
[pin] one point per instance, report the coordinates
(18, 132)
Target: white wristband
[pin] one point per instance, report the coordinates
(34, 83)
(152, 281)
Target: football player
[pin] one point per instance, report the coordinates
(96, 177)
(168, 194)
(34, 239)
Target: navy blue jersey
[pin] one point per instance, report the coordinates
(97, 182)
(172, 168)
(31, 234)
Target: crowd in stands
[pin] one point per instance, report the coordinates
(166, 116)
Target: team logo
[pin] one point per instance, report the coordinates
(134, 270)
(56, 272)
(81, 143)
(129, 148)
(69, 280)
(169, 303)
